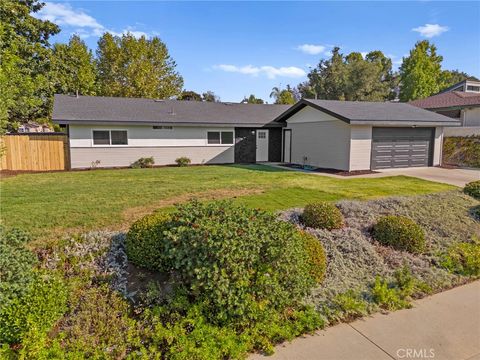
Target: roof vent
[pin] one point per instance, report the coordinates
(158, 100)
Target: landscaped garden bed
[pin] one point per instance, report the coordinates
(216, 280)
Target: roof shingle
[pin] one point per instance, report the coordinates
(448, 99)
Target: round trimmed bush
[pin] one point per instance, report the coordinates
(317, 258)
(401, 233)
(473, 189)
(236, 260)
(322, 215)
(146, 244)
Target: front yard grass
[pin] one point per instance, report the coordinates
(50, 203)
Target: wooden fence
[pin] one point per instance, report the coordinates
(35, 152)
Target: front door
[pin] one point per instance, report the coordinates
(262, 145)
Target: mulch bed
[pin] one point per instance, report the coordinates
(330, 171)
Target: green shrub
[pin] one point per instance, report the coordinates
(234, 258)
(463, 258)
(183, 161)
(401, 233)
(146, 245)
(473, 189)
(316, 255)
(41, 305)
(146, 162)
(322, 215)
(388, 297)
(16, 264)
(99, 325)
(347, 307)
(476, 212)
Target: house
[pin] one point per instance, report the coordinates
(467, 85)
(33, 127)
(460, 105)
(350, 135)
(115, 132)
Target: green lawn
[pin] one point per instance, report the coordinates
(84, 200)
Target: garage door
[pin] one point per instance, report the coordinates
(401, 147)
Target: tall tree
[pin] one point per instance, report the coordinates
(73, 68)
(25, 62)
(421, 72)
(283, 96)
(189, 95)
(252, 99)
(350, 77)
(132, 67)
(210, 96)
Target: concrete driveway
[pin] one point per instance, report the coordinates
(444, 326)
(457, 177)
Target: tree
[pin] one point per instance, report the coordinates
(189, 96)
(210, 97)
(351, 77)
(421, 72)
(74, 69)
(283, 96)
(452, 77)
(25, 62)
(131, 67)
(252, 100)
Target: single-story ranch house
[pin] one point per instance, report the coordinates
(343, 135)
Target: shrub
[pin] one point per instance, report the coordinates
(316, 256)
(476, 212)
(462, 150)
(322, 215)
(400, 232)
(473, 189)
(388, 297)
(463, 258)
(183, 161)
(146, 162)
(16, 264)
(42, 304)
(235, 259)
(146, 245)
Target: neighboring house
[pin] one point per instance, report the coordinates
(330, 134)
(467, 85)
(33, 127)
(119, 131)
(461, 105)
(351, 136)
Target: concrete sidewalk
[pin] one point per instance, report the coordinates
(444, 326)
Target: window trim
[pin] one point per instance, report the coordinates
(220, 133)
(110, 137)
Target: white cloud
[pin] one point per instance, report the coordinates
(82, 24)
(312, 49)
(270, 71)
(431, 30)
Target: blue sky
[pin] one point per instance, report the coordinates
(236, 49)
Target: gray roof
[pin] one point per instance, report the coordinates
(373, 113)
(113, 110)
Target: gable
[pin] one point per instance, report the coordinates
(308, 115)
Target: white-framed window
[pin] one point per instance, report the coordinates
(162, 127)
(110, 137)
(220, 137)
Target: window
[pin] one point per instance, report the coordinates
(473, 88)
(110, 137)
(220, 137)
(101, 137)
(162, 127)
(262, 135)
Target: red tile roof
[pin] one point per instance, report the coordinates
(448, 99)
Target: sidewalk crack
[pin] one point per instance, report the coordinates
(383, 350)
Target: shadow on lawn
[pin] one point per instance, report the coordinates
(256, 167)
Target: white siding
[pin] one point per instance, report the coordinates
(438, 146)
(360, 147)
(144, 141)
(325, 143)
(471, 117)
